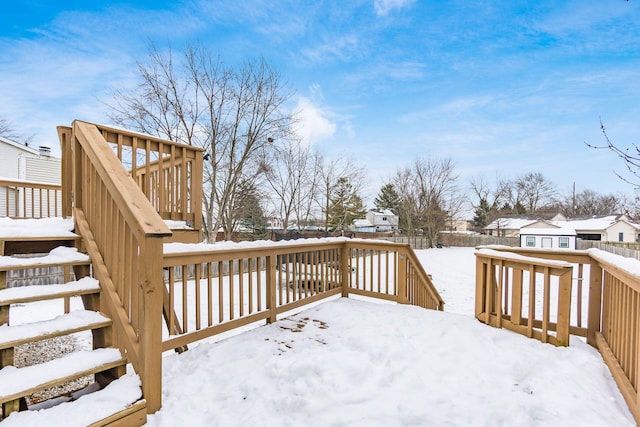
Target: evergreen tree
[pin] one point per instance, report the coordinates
(387, 198)
(481, 213)
(249, 211)
(346, 205)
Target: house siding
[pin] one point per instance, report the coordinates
(630, 233)
(8, 161)
(43, 169)
(539, 240)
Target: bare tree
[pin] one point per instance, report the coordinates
(629, 155)
(429, 195)
(291, 178)
(534, 191)
(235, 114)
(8, 131)
(589, 203)
(489, 200)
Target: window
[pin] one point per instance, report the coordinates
(531, 241)
(564, 242)
(620, 237)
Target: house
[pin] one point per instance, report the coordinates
(383, 221)
(275, 223)
(547, 235)
(610, 228)
(19, 162)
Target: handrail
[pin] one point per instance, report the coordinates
(612, 295)
(426, 295)
(210, 290)
(123, 234)
(29, 199)
(167, 172)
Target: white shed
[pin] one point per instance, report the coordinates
(550, 237)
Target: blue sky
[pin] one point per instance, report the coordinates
(502, 87)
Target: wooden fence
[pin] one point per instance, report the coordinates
(629, 250)
(452, 239)
(535, 292)
(26, 199)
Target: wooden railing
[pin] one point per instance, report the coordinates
(607, 313)
(216, 290)
(390, 271)
(26, 199)
(123, 234)
(509, 289)
(168, 173)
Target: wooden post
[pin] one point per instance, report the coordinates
(595, 302)
(402, 277)
(151, 284)
(564, 308)
(345, 270)
(499, 290)
(481, 282)
(489, 291)
(516, 297)
(66, 145)
(78, 172)
(271, 287)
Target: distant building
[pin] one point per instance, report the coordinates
(609, 228)
(384, 221)
(546, 235)
(274, 223)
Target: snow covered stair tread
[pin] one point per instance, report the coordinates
(19, 382)
(122, 394)
(86, 285)
(36, 228)
(76, 321)
(62, 255)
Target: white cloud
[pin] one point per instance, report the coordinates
(342, 48)
(383, 7)
(313, 125)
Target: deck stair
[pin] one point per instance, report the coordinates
(93, 372)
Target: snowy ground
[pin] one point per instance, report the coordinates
(349, 362)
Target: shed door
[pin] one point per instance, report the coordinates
(546, 243)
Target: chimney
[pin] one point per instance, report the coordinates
(45, 151)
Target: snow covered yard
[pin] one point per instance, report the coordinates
(353, 362)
